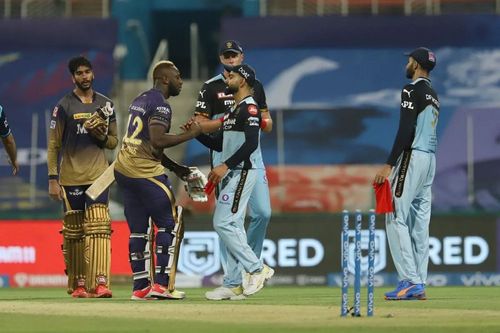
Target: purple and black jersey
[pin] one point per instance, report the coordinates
(137, 157)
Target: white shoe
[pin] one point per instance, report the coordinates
(257, 280)
(245, 278)
(224, 293)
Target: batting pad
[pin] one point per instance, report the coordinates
(97, 228)
(73, 247)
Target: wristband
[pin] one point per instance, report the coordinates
(263, 123)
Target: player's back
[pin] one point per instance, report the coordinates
(137, 157)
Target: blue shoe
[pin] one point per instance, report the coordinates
(401, 285)
(407, 291)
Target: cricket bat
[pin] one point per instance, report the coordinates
(102, 183)
(108, 177)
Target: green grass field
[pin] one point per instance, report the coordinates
(275, 309)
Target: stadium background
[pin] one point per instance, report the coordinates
(332, 70)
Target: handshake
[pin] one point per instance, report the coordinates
(203, 126)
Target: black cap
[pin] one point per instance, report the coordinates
(425, 57)
(230, 46)
(247, 72)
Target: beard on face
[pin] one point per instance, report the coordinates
(174, 91)
(83, 87)
(232, 90)
(409, 72)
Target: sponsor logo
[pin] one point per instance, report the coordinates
(407, 105)
(39, 280)
(408, 92)
(430, 98)
(225, 197)
(253, 121)
(229, 123)
(229, 102)
(380, 250)
(137, 108)
(163, 109)
(201, 105)
(80, 129)
(201, 92)
(17, 255)
(54, 112)
(432, 57)
(222, 95)
(52, 124)
(252, 109)
(76, 192)
(200, 253)
(84, 115)
(243, 72)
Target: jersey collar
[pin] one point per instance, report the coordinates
(427, 80)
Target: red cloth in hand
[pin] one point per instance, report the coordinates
(209, 187)
(383, 198)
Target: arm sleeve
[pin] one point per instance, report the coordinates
(204, 103)
(251, 116)
(162, 115)
(4, 125)
(56, 130)
(406, 130)
(212, 141)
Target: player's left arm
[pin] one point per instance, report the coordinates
(260, 97)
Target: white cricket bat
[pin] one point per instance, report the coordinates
(102, 183)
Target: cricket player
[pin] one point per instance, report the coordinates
(213, 102)
(147, 193)
(78, 136)
(236, 172)
(8, 141)
(410, 167)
